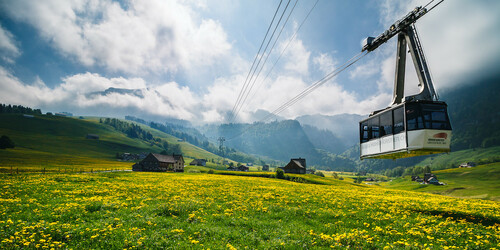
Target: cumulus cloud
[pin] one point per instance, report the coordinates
(8, 46)
(132, 37)
(324, 62)
(457, 38)
(138, 36)
(297, 57)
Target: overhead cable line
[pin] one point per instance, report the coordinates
(254, 60)
(307, 91)
(235, 113)
(283, 51)
(267, 57)
(317, 84)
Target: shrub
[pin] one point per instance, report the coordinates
(319, 173)
(211, 171)
(280, 174)
(6, 142)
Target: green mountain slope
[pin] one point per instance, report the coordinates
(51, 141)
(480, 182)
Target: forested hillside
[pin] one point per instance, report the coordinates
(474, 114)
(282, 140)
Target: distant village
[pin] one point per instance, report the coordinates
(152, 162)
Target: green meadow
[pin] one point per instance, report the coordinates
(59, 144)
(138, 210)
(481, 182)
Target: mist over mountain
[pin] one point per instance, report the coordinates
(343, 126)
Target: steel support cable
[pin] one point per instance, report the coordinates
(235, 114)
(307, 91)
(315, 85)
(255, 59)
(267, 57)
(435, 5)
(323, 80)
(283, 51)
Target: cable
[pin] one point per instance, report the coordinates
(283, 51)
(434, 5)
(254, 60)
(258, 63)
(316, 85)
(267, 57)
(307, 91)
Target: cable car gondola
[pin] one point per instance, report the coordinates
(413, 125)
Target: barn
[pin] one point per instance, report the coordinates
(160, 163)
(296, 166)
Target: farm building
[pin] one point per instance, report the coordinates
(92, 137)
(160, 163)
(467, 165)
(296, 166)
(242, 168)
(265, 168)
(198, 162)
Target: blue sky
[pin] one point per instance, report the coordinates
(189, 59)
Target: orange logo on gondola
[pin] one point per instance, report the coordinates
(440, 135)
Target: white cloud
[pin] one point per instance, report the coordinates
(297, 57)
(325, 63)
(145, 36)
(8, 46)
(458, 38)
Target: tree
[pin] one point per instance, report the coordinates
(6, 142)
(280, 174)
(427, 169)
(176, 149)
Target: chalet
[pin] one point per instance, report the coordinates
(416, 178)
(432, 179)
(428, 176)
(242, 168)
(265, 168)
(467, 165)
(160, 163)
(369, 179)
(296, 166)
(231, 168)
(92, 137)
(198, 162)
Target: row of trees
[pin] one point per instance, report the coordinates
(135, 131)
(401, 171)
(18, 109)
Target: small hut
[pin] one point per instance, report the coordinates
(296, 166)
(160, 163)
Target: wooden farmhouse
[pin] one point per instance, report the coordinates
(160, 163)
(265, 168)
(242, 168)
(295, 166)
(198, 162)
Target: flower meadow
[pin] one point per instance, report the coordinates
(131, 210)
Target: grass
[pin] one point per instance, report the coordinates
(200, 211)
(481, 182)
(59, 143)
(454, 159)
